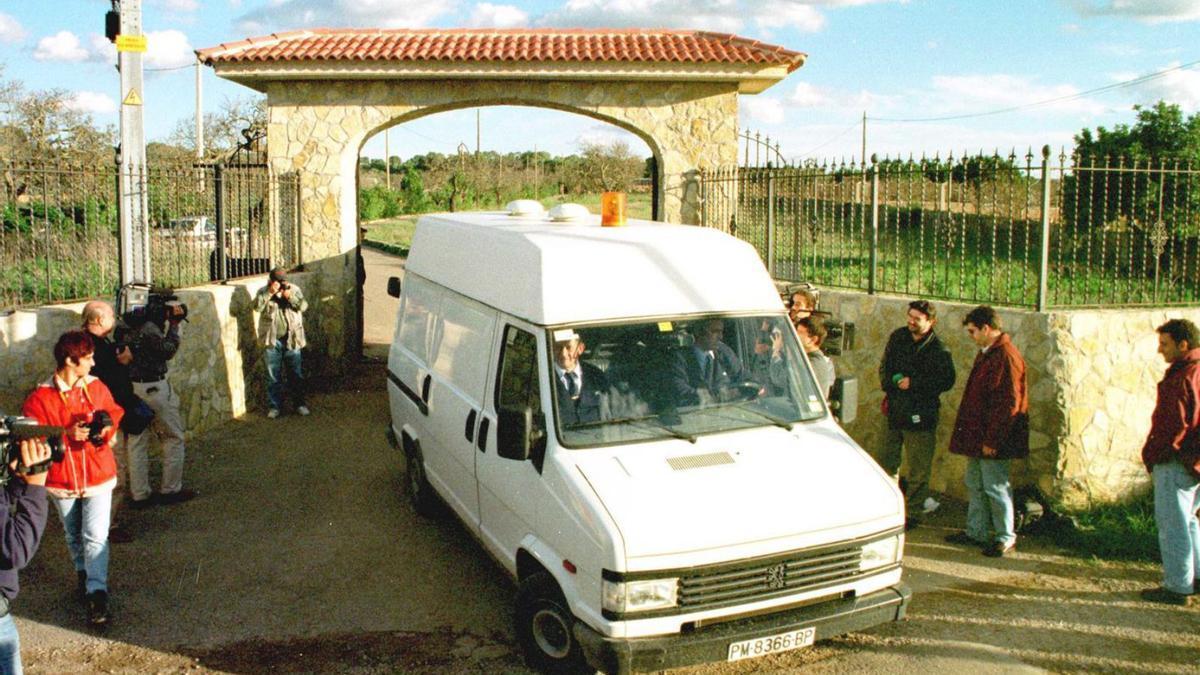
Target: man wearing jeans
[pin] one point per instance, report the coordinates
(992, 429)
(281, 307)
(1172, 456)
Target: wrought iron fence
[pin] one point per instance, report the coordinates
(1018, 230)
(208, 222)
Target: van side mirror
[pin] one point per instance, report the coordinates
(394, 286)
(843, 398)
(514, 433)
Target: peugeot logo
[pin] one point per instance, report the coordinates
(777, 576)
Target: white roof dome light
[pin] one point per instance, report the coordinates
(569, 213)
(525, 208)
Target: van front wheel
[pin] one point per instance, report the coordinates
(545, 628)
(420, 492)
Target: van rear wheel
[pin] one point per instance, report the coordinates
(546, 628)
(420, 492)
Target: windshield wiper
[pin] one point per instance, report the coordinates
(781, 423)
(653, 421)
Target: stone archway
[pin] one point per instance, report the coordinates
(329, 90)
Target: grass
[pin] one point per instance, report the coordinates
(396, 233)
(1123, 531)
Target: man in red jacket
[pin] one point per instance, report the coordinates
(991, 430)
(1172, 456)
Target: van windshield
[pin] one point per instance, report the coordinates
(620, 383)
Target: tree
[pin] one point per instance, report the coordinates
(225, 129)
(609, 166)
(1124, 177)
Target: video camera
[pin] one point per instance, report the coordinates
(839, 336)
(138, 303)
(13, 430)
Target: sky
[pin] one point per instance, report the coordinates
(897, 61)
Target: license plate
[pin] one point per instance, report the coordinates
(772, 644)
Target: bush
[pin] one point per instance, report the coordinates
(378, 202)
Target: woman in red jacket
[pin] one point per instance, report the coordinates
(81, 484)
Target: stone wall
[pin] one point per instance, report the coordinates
(218, 371)
(1091, 377)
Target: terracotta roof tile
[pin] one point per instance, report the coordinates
(670, 46)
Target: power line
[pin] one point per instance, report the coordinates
(1057, 99)
(843, 132)
(162, 70)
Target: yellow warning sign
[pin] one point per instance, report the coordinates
(132, 98)
(131, 43)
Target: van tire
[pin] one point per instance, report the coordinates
(420, 492)
(545, 628)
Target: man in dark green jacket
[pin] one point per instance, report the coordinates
(915, 370)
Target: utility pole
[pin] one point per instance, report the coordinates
(863, 156)
(477, 133)
(199, 116)
(131, 180)
(387, 158)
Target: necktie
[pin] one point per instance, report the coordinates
(710, 366)
(572, 384)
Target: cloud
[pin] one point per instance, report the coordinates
(965, 94)
(762, 110)
(807, 95)
(1147, 11)
(11, 31)
(294, 14)
(168, 49)
(487, 15)
(719, 15)
(102, 50)
(62, 46)
(92, 102)
(181, 5)
(1178, 86)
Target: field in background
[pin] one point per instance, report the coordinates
(396, 233)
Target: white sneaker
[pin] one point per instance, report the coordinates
(272, 414)
(931, 505)
(303, 410)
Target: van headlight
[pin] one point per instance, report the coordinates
(639, 596)
(881, 553)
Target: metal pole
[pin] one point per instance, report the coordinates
(874, 259)
(771, 222)
(863, 156)
(134, 230)
(387, 158)
(219, 207)
(199, 115)
(1043, 291)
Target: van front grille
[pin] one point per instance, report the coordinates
(765, 578)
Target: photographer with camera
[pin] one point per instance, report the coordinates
(154, 336)
(23, 505)
(281, 307)
(81, 483)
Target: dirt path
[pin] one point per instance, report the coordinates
(300, 555)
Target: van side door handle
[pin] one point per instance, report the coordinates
(481, 442)
(425, 388)
(470, 428)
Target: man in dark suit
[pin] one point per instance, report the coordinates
(580, 387)
(710, 366)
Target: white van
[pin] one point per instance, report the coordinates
(624, 418)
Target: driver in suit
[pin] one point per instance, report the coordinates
(579, 387)
(709, 368)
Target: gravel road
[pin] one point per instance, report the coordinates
(301, 555)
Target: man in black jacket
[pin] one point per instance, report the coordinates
(22, 522)
(915, 370)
